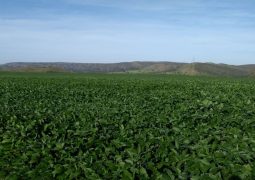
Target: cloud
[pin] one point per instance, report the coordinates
(197, 13)
(114, 30)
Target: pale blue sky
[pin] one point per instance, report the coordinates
(220, 31)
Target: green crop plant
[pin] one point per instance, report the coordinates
(119, 126)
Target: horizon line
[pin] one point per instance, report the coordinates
(119, 62)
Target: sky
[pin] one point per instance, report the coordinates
(218, 31)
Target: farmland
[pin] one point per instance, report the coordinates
(126, 126)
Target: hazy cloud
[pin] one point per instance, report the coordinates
(118, 30)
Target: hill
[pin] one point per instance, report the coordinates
(209, 69)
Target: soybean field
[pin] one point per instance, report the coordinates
(126, 126)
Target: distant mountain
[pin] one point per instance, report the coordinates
(209, 69)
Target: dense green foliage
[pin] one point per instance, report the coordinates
(126, 126)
